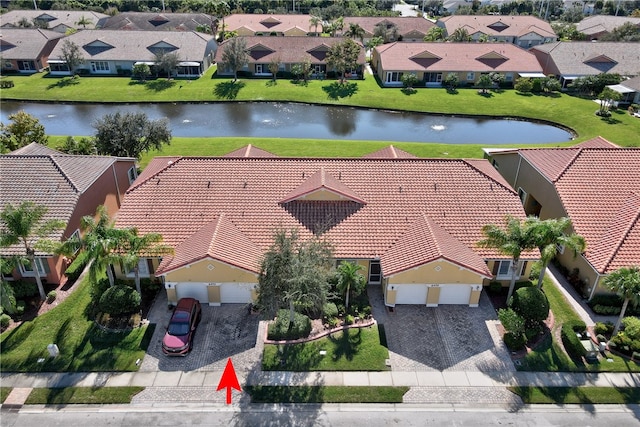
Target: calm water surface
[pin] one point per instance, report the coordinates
(288, 120)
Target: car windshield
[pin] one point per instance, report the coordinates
(178, 328)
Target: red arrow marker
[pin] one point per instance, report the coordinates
(229, 380)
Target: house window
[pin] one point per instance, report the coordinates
(143, 269)
(75, 236)
(99, 66)
(26, 269)
(508, 77)
(132, 174)
(471, 76)
(8, 64)
(258, 68)
(394, 76)
(26, 65)
(522, 195)
(433, 78)
(375, 272)
(58, 67)
(560, 249)
(502, 269)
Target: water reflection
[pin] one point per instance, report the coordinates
(289, 120)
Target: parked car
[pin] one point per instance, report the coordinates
(178, 340)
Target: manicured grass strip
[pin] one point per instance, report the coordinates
(78, 395)
(577, 395)
(4, 392)
(83, 346)
(325, 394)
(355, 350)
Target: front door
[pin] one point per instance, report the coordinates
(375, 273)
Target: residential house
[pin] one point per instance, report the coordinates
(413, 224)
(288, 51)
(69, 186)
(26, 50)
(114, 52)
(596, 26)
(409, 29)
(570, 60)
(59, 21)
(629, 90)
(524, 31)
(597, 185)
(155, 21)
(271, 25)
(432, 62)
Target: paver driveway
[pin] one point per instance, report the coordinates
(448, 337)
(225, 331)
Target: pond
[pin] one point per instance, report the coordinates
(291, 120)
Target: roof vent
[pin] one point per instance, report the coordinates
(209, 184)
(435, 186)
(400, 189)
(245, 185)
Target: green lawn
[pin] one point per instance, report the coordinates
(549, 355)
(571, 112)
(83, 346)
(578, 395)
(82, 395)
(358, 349)
(325, 394)
(4, 392)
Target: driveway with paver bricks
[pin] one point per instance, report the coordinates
(225, 331)
(448, 337)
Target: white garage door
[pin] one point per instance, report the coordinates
(411, 294)
(193, 290)
(455, 294)
(238, 293)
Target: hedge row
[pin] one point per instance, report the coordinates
(570, 338)
(77, 266)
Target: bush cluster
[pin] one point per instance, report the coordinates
(119, 299)
(603, 328)
(5, 320)
(531, 303)
(570, 339)
(51, 296)
(330, 310)
(24, 289)
(281, 329)
(514, 342)
(77, 266)
(611, 305)
(20, 307)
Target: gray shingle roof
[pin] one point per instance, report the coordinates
(153, 21)
(57, 19)
(24, 43)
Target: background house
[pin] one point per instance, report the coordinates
(113, 52)
(271, 25)
(287, 51)
(570, 60)
(26, 50)
(55, 20)
(596, 26)
(524, 31)
(410, 29)
(154, 21)
(412, 226)
(597, 185)
(69, 186)
(432, 62)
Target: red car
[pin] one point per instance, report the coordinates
(178, 340)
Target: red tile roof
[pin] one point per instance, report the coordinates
(322, 180)
(389, 152)
(249, 151)
(599, 190)
(185, 196)
(502, 26)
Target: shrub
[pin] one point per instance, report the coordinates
(532, 332)
(282, 329)
(514, 342)
(20, 307)
(601, 338)
(603, 328)
(333, 322)
(6, 84)
(531, 303)
(119, 299)
(98, 288)
(495, 287)
(606, 310)
(330, 310)
(149, 287)
(24, 289)
(511, 321)
(5, 320)
(51, 296)
(571, 342)
(523, 85)
(77, 266)
(349, 319)
(366, 311)
(632, 327)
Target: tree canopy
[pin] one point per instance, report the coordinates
(343, 56)
(23, 130)
(235, 55)
(71, 55)
(130, 134)
(626, 283)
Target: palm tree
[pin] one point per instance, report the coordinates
(460, 35)
(314, 21)
(626, 283)
(355, 31)
(25, 224)
(103, 242)
(84, 21)
(551, 237)
(516, 238)
(136, 245)
(350, 279)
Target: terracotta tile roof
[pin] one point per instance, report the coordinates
(319, 181)
(599, 189)
(250, 151)
(156, 165)
(54, 180)
(389, 152)
(192, 192)
(408, 27)
(219, 240)
(425, 241)
(502, 26)
(266, 23)
(477, 57)
(35, 149)
(597, 142)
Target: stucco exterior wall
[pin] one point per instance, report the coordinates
(440, 271)
(221, 273)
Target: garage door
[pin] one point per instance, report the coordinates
(193, 290)
(455, 294)
(238, 293)
(411, 294)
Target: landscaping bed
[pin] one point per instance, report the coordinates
(82, 395)
(325, 394)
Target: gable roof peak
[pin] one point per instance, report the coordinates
(322, 181)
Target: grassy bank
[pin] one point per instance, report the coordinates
(571, 112)
(325, 394)
(578, 395)
(82, 395)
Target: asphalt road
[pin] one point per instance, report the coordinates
(325, 415)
